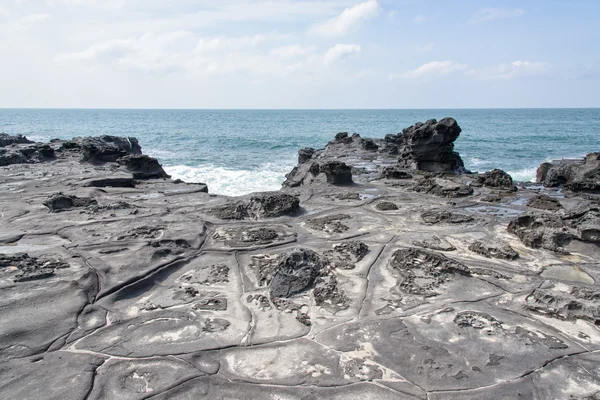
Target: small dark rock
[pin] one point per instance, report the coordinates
(495, 179)
(544, 202)
(60, 202)
(338, 173)
(495, 249)
(386, 206)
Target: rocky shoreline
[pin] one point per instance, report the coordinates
(382, 269)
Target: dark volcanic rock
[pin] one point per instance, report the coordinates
(394, 173)
(537, 230)
(421, 272)
(121, 182)
(495, 179)
(544, 202)
(143, 166)
(435, 243)
(6, 139)
(433, 217)
(274, 204)
(576, 175)
(438, 187)
(330, 224)
(386, 206)
(26, 268)
(25, 154)
(232, 211)
(305, 154)
(429, 146)
(108, 148)
(338, 173)
(295, 273)
(61, 202)
(578, 303)
(369, 144)
(495, 249)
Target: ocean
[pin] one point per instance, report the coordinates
(241, 151)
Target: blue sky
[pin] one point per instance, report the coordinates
(299, 54)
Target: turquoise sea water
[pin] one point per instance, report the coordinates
(240, 151)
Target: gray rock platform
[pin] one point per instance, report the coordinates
(118, 282)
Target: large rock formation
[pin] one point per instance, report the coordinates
(575, 175)
(429, 146)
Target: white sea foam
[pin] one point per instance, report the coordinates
(232, 182)
(524, 175)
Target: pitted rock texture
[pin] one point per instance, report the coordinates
(544, 202)
(494, 249)
(61, 202)
(6, 139)
(143, 166)
(369, 291)
(495, 179)
(429, 146)
(576, 175)
(337, 172)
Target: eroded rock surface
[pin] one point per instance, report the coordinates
(406, 287)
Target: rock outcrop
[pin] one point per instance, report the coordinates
(7, 140)
(495, 179)
(142, 286)
(576, 175)
(429, 146)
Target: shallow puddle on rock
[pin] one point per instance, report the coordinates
(567, 273)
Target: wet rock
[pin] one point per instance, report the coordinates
(435, 243)
(433, 217)
(338, 173)
(443, 188)
(296, 272)
(7, 140)
(330, 224)
(143, 166)
(61, 202)
(429, 146)
(494, 249)
(577, 303)
(495, 179)
(544, 202)
(421, 272)
(273, 204)
(12, 156)
(305, 154)
(394, 173)
(23, 268)
(386, 206)
(107, 148)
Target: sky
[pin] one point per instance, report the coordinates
(299, 54)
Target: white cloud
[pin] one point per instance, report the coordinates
(489, 14)
(291, 52)
(97, 4)
(348, 20)
(236, 43)
(431, 70)
(3, 12)
(183, 52)
(424, 48)
(515, 69)
(341, 53)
